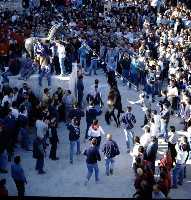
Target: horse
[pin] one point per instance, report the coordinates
(53, 32)
(115, 98)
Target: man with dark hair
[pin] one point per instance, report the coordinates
(178, 171)
(91, 114)
(165, 117)
(128, 120)
(151, 152)
(18, 176)
(110, 150)
(74, 137)
(172, 141)
(39, 154)
(80, 89)
(93, 155)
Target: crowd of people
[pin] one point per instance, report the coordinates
(146, 43)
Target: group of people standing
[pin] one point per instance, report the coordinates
(148, 45)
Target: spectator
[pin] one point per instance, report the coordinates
(110, 150)
(74, 137)
(172, 141)
(129, 121)
(95, 131)
(178, 171)
(39, 154)
(18, 176)
(93, 155)
(54, 140)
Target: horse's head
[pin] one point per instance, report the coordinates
(56, 31)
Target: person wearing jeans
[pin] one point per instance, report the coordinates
(178, 171)
(92, 156)
(61, 56)
(91, 168)
(93, 65)
(18, 176)
(38, 154)
(165, 117)
(39, 165)
(72, 145)
(45, 71)
(74, 137)
(129, 135)
(128, 120)
(83, 51)
(110, 150)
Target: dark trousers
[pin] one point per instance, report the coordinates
(20, 188)
(108, 116)
(88, 126)
(173, 152)
(53, 151)
(80, 98)
(56, 65)
(40, 164)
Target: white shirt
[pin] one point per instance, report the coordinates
(173, 139)
(61, 51)
(155, 130)
(41, 127)
(172, 91)
(15, 112)
(7, 98)
(95, 133)
(154, 3)
(181, 157)
(145, 139)
(135, 152)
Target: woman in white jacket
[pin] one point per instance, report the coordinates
(95, 131)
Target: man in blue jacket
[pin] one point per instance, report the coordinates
(18, 176)
(110, 150)
(92, 156)
(74, 137)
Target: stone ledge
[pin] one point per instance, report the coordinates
(66, 82)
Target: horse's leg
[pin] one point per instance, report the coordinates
(115, 119)
(118, 115)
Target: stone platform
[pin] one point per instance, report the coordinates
(66, 82)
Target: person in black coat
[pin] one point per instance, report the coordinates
(74, 137)
(53, 139)
(76, 112)
(92, 156)
(151, 152)
(39, 154)
(18, 176)
(91, 114)
(10, 127)
(80, 90)
(110, 150)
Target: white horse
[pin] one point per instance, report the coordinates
(30, 42)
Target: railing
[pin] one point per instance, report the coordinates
(11, 5)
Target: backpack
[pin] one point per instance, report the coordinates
(114, 150)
